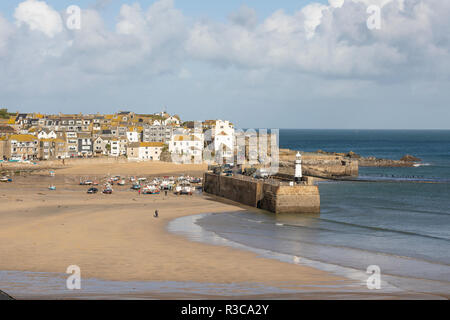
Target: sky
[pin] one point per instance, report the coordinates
(260, 64)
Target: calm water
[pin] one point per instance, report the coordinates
(402, 227)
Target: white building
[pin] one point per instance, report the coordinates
(145, 151)
(46, 134)
(118, 147)
(172, 120)
(72, 144)
(187, 147)
(133, 136)
(100, 146)
(221, 136)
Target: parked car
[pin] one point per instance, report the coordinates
(107, 191)
(92, 190)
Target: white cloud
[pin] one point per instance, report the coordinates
(245, 17)
(334, 40)
(313, 17)
(319, 39)
(6, 31)
(336, 3)
(37, 15)
(40, 57)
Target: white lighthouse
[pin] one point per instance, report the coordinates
(298, 167)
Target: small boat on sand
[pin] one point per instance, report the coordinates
(184, 188)
(151, 189)
(5, 179)
(108, 189)
(136, 186)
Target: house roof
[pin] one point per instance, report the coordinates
(151, 144)
(23, 137)
(186, 138)
(134, 145)
(7, 129)
(53, 140)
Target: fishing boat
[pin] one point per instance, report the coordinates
(178, 189)
(187, 189)
(108, 189)
(195, 180)
(151, 189)
(166, 185)
(5, 179)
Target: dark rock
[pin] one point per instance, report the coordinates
(410, 158)
(4, 296)
(353, 155)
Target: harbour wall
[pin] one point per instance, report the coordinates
(274, 196)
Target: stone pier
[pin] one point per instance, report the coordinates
(272, 195)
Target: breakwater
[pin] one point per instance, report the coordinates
(318, 165)
(272, 195)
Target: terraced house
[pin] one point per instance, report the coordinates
(51, 149)
(22, 147)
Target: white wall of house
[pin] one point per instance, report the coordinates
(150, 153)
(118, 147)
(132, 136)
(186, 144)
(223, 135)
(100, 146)
(171, 120)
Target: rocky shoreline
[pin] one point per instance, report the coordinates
(405, 161)
(323, 164)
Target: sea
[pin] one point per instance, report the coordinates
(396, 219)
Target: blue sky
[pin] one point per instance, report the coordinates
(214, 9)
(315, 65)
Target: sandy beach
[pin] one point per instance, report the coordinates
(115, 237)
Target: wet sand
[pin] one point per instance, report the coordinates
(115, 237)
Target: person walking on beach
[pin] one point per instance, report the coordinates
(156, 214)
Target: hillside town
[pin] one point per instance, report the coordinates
(138, 137)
